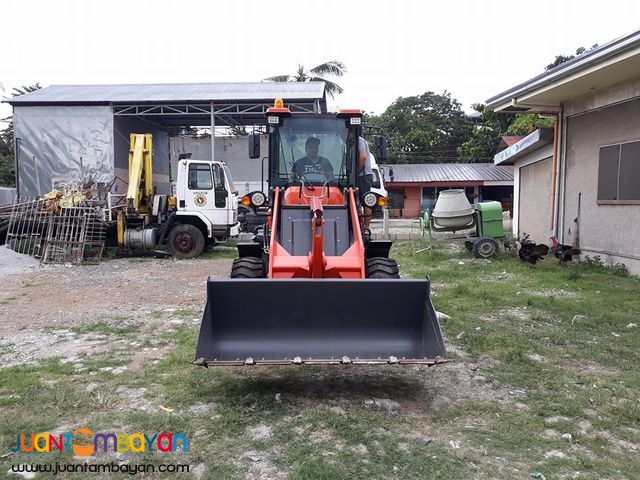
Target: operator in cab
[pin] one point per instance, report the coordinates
(312, 162)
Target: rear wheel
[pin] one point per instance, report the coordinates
(485, 247)
(247, 267)
(185, 241)
(380, 267)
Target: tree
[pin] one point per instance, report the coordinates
(560, 59)
(7, 161)
(316, 74)
(526, 123)
(424, 128)
(481, 145)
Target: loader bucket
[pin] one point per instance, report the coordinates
(315, 321)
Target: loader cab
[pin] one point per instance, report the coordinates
(306, 144)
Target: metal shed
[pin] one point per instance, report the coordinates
(68, 131)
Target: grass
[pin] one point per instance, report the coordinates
(546, 352)
(105, 328)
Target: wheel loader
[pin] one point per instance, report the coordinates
(312, 287)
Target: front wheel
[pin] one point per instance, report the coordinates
(248, 267)
(381, 267)
(485, 247)
(185, 241)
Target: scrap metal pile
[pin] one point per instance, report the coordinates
(63, 226)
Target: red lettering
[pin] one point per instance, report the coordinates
(169, 438)
(55, 444)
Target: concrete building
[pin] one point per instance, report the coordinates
(583, 183)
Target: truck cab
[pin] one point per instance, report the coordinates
(207, 198)
(377, 186)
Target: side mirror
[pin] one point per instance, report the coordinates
(381, 147)
(254, 145)
(182, 156)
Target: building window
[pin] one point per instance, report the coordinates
(619, 172)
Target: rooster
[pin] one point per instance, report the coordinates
(529, 251)
(564, 253)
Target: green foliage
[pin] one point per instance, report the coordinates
(484, 139)
(595, 263)
(526, 123)
(7, 171)
(424, 128)
(560, 59)
(316, 74)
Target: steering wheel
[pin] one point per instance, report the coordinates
(307, 184)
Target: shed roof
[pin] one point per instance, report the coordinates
(172, 92)
(447, 172)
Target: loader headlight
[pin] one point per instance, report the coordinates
(370, 199)
(258, 199)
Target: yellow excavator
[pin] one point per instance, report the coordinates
(202, 209)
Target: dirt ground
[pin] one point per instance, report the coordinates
(48, 305)
(119, 328)
(54, 310)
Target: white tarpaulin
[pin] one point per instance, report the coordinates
(57, 143)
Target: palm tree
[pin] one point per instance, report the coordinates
(316, 74)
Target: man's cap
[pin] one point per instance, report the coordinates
(313, 140)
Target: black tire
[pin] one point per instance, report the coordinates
(4, 228)
(380, 267)
(248, 267)
(185, 241)
(485, 247)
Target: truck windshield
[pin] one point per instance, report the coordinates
(312, 144)
(227, 172)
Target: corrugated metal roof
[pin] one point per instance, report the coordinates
(173, 92)
(580, 63)
(447, 172)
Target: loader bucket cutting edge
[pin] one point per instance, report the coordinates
(284, 321)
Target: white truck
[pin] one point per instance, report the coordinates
(202, 209)
(378, 183)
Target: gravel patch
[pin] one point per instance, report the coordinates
(12, 262)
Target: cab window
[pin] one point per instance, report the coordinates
(376, 178)
(200, 177)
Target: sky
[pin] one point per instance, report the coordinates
(399, 48)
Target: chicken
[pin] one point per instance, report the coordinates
(564, 253)
(529, 251)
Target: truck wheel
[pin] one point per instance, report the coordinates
(248, 267)
(185, 241)
(485, 247)
(380, 267)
